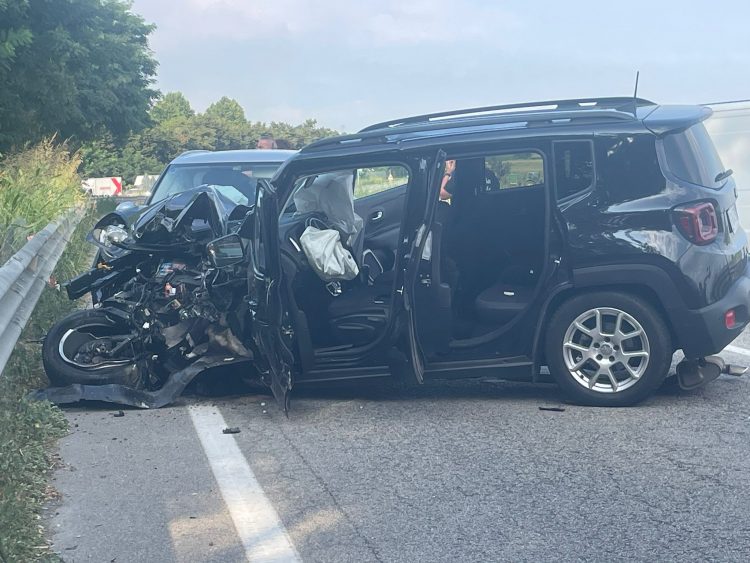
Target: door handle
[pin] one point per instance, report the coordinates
(377, 216)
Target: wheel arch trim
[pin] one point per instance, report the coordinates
(649, 282)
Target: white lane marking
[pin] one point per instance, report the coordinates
(737, 350)
(261, 532)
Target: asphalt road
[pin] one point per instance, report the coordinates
(470, 471)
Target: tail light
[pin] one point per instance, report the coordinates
(698, 222)
(730, 319)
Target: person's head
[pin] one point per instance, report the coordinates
(266, 141)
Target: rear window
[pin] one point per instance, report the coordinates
(627, 167)
(574, 167)
(691, 156)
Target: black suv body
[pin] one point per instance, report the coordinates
(595, 237)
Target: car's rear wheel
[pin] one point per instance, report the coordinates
(608, 349)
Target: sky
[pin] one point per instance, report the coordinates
(348, 63)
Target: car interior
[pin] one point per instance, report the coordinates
(240, 179)
(479, 270)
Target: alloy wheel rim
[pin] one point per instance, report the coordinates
(69, 351)
(606, 350)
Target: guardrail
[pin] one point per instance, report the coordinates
(24, 275)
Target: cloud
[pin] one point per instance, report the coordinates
(353, 62)
(343, 22)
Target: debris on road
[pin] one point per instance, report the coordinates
(552, 409)
(232, 430)
(119, 414)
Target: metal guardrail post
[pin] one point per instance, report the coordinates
(24, 275)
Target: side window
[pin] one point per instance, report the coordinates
(332, 193)
(513, 170)
(371, 181)
(574, 167)
(628, 167)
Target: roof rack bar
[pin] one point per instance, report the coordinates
(570, 104)
(379, 135)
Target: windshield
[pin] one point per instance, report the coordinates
(236, 181)
(691, 156)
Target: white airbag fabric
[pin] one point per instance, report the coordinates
(332, 194)
(327, 256)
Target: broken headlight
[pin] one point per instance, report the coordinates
(111, 234)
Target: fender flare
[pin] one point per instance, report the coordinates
(651, 278)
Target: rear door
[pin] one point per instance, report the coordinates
(411, 279)
(268, 302)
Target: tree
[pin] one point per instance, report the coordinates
(100, 158)
(177, 128)
(14, 34)
(226, 120)
(173, 104)
(77, 67)
(227, 109)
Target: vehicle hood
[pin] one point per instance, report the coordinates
(198, 215)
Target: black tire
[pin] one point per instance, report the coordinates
(575, 384)
(61, 372)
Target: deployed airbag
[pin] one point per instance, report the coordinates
(327, 256)
(333, 195)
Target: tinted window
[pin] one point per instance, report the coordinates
(238, 179)
(574, 167)
(691, 156)
(627, 167)
(513, 170)
(371, 181)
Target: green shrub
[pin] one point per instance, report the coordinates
(36, 186)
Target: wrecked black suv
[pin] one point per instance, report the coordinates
(594, 237)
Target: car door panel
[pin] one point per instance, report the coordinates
(382, 214)
(416, 251)
(267, 299)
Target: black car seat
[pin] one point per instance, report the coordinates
(500, 303)
(358, 315)
(361, 313)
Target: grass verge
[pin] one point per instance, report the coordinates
(28, 428)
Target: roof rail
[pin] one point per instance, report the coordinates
(623, 104)
(193, 151)
(370, 135)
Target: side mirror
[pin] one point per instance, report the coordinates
(226, 251)
(125, 206)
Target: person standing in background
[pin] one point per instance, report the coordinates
(446, 188)
(266, 142)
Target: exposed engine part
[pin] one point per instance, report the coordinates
(225, 339)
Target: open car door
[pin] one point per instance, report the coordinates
(267, 300)
(418, 243)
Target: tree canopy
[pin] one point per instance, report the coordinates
(171, 106)
(176, 128)
(73, 67)
(226, 109)
(83, 70)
